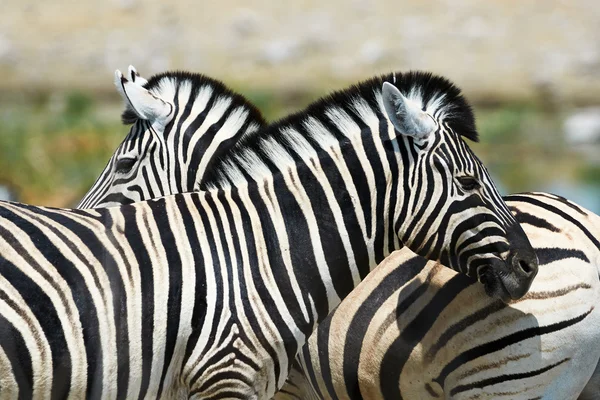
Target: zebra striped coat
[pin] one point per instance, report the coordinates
(439, 336)
(570, 377)
(148, 101)
(210, 295)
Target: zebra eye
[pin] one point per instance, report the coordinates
(468, 183)
(125, 165)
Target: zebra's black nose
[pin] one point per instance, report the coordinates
(522, 259)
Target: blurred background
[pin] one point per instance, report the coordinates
(530, 68)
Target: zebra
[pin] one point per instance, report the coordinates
(109, 186)
(296, 378)
(94, 302)
(295, 382)
(295, 385)
(437, 335)
(157, 159)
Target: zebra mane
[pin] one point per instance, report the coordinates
(255, 152)
(166, 84)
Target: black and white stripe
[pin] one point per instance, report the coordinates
(210, 295)
(158, 158)
(416, 330)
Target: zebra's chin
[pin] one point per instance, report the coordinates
(501, 287)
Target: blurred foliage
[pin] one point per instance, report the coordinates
(589, 174)
(78, 106)
(524, 147)
(52, 148)
(503, 125)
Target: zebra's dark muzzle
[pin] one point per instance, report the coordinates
(493, 284)
(524, 266)
(509, 279)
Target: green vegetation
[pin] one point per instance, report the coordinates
(51, 151)
(53, 148)
(524, 147)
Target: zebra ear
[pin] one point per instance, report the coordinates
(407, 117)
(135, 77)
(146, 105)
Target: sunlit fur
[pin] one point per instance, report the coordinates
(210, 295)
(207, 118)
(416, 330)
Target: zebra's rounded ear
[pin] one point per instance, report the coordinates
(146, 105)
(134, 76)
(407, 117)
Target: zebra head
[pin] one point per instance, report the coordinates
(452, 211)
(181, 122)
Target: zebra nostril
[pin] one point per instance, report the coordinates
(525, 267)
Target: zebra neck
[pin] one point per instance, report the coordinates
(320, 233)
(198, 139)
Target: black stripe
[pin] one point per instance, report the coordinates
(380, 174)
(156, 177)
(133, 236)
(559, 212)
(41, 305)
(14, 347)
(325, 371)
(309, 372)
(200, 307)
(302, 255)
(404, 146)
(331, 242)
(119, 197)
(391, 152)
(193, 127)
(423, 234)
(361, 184)
(177, 132)
(194, 177)
(526, 218)
(251, 319)
(548, 255)
(491, 347)
(159, 213)
(208, 136)
(117, 286)
(398, 353)
(504, 378)
(121, 324)
(273, 250)
(554, 197)
(470, 320)
(219, 303)
(397, 278)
